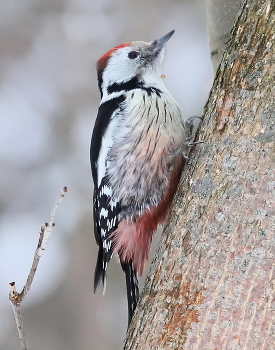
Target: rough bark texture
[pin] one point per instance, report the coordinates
(212, 282)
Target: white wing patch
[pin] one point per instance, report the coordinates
(106, 190)
(103, 212)
(107, 142)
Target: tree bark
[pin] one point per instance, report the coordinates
(212, 282)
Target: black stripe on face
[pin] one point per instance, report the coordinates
(132, 84)
(125, 86)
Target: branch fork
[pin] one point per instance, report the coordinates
(15, 297)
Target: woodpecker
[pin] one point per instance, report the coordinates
(138, 148)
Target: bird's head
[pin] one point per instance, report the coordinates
(134, 60)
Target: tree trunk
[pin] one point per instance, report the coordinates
(212, 282)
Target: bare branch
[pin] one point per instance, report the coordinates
(45, 232)
(15, 297)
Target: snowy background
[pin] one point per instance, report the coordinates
(48, 104)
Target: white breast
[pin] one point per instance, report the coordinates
(149, 130)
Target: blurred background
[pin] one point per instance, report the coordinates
(48, 104)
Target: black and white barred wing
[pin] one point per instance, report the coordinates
(105, 219)
(106, 208)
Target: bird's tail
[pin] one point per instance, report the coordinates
(103, 259)
(132, 288)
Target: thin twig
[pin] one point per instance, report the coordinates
(45, 232)
(15, 297)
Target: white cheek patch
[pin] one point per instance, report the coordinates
(119, 67)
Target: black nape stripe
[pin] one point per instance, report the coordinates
(132, 84)
(100, 81)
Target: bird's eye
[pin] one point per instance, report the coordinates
(133, 54)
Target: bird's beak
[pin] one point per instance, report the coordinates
(157, 45)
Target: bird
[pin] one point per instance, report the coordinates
(138, 149)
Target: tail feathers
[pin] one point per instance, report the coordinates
(101, 269)
(99, 272)
(132, 288)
